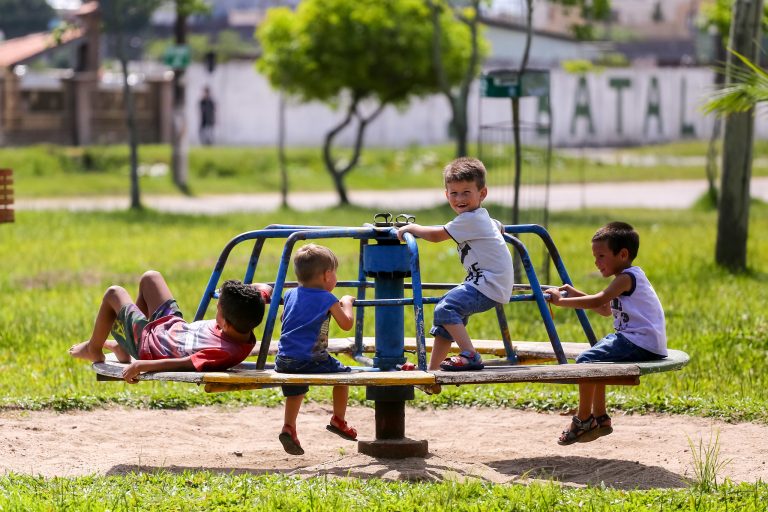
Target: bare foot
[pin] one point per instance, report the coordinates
(120, 353)
(84, 351)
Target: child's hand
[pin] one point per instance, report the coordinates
(569, 290)
(403, 230)
(553, 295)
(347, 299)
(265, 290)
(132, 371)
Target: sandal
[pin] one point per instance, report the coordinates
(465, 361)
(290, 440)
(580, 431)
(341, 429)
(602, 428)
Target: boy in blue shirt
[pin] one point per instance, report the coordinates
(303, 345)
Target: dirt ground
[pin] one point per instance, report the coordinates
(495, 445)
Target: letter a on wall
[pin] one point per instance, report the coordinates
(582, 108)
(654, 106)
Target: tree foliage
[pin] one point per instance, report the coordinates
(22, 17)
(360, 54)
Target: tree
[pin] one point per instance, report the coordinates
(360, 54)
(22, 17)
(745, 86)
(122, 20)
(457, 95)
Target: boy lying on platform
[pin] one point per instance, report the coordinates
(152, 330)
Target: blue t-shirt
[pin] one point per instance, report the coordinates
(306, 315)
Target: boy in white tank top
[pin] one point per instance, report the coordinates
(638, 320)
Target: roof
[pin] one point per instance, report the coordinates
(19, 49)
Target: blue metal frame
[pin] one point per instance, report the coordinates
(296, 233)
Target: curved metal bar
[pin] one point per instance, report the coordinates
(559, 265)
(282, 271)
(253, 260)
(360, 312)
(539, 295)
(219, 267)
(418, 299)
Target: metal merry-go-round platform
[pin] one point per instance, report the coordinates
(384, 265)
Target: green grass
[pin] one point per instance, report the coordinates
(54, 171)
(192, 491)
(57, 265)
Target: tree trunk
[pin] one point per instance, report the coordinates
(179, 139)
(281, 153)
(330, 164)
(733, 210)
(130, 121)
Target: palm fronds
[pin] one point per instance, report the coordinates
(748, 86)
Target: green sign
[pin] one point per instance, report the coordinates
(176, 57)
(508, 83)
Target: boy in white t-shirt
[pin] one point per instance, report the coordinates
(638, 320)
(483, 254)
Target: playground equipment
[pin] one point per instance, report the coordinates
(384, 265)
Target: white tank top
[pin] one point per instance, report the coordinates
(638, 315)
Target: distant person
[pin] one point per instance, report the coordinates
(303, 345)
(153, 333)
(483, 254)
(207, 117)
(638, 319)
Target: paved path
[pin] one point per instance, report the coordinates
(667, 194)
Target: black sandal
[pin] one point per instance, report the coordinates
(602, 428)
(580, 431)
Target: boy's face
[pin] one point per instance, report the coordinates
(607, 263)
(464, 196)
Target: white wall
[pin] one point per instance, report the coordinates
(247, 110)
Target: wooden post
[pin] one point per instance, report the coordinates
(6, 195)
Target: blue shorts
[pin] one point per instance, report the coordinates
(130, 323)
(615, 348)
(456, 307)
(290, 365)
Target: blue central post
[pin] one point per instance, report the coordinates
(388, 262)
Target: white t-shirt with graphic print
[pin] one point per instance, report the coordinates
(484, 254)
(638, 315)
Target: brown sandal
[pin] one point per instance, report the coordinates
(290, 441)
(580, 431)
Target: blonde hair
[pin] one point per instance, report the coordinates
(312, 260)
(465, 169)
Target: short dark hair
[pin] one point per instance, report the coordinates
(241, 305)
(465, 169)
(618, 236)
(312, 260)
